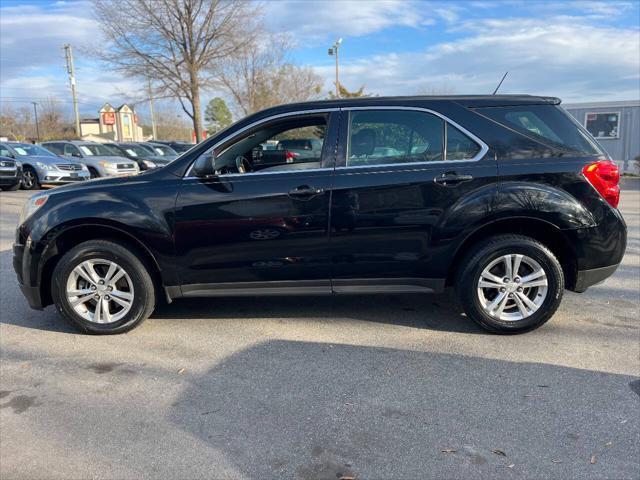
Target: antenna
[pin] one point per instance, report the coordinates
(502, 80)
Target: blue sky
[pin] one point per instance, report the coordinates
(577, 50)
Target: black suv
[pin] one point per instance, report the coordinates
(505, 198)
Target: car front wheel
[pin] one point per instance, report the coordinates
(510, 284)
(102, 287)
(30, 179)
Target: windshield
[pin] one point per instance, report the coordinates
(164, 150)
(26, 149)
(136, 151)
(98, 150)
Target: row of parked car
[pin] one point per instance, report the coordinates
(29, 166)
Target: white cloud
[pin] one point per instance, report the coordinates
(314, 20)
(562, 57)
(32, 61)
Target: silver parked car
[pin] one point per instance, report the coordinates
(101, 160)
(42, 167)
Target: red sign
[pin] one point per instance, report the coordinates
(193, 135)
(109, 118)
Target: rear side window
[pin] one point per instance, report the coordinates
(385, 136)
(459, 146)
(546, 123)
(382, 137)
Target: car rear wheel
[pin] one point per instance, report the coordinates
(510, 284)
(102, 287)
(30, 179)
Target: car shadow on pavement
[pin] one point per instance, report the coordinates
(427, 311)
(288, 409)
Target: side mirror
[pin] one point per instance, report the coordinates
(76, 154)
(205, 166)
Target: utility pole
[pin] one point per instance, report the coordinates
(72, 80)
(153, 118)
(334, 51)
(35, 111)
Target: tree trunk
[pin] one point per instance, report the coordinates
(195, 104)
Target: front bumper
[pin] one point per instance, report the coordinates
(587, 278)
(31, 293)
(60, 178)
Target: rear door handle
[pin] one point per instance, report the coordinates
(305, 192)
(452, 178)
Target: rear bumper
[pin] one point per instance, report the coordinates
(587, 278)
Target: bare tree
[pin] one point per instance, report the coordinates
(52, 121)
(260, 76)
(16, 123)
(171, 124)
(173, 42)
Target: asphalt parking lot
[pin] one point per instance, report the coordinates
(366, 387)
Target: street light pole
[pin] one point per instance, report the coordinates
(35, 111)
(72, 81)
(153, 118)
(334, 51)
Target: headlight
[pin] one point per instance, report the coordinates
(149, 163)
(112, 166)
(83, 167)
(33, 204)
(44, 166)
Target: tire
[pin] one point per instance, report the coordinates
(477, 302)
(93, 173)
(136, 283)
(30, 179)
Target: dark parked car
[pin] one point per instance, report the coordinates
(145, 155)
(178, 147)
(10, 174)
(505, 198)
(161, 150)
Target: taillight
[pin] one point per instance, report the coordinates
(290, 156)
(604, 175)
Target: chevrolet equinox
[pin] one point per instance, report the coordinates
(505, 198)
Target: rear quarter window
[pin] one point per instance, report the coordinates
(547, 124)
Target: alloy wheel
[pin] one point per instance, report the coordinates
(100, 291)
(512, 287)
(28, 179)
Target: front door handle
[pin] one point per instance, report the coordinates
(452, 178)
(305, 192)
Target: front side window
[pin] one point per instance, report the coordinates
(56, 148)
(291, 144)
(71, 150)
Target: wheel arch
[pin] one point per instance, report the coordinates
(75, 235)
(541, 230)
